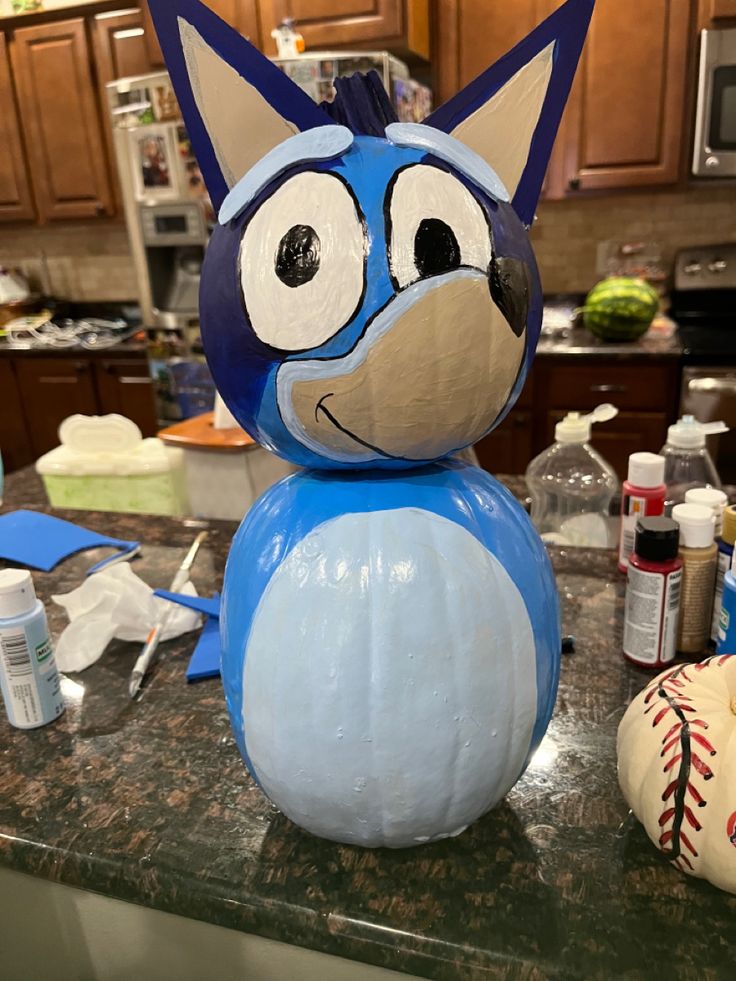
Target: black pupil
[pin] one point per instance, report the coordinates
(435, 248)
(297, 259)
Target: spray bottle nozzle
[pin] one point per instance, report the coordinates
(575, 428)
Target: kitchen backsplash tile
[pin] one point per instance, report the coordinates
(567, 233)
(91, 260)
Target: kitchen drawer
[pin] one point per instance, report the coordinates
(125, 386)
(627, 386)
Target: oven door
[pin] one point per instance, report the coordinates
(709, 394)
(715, 121)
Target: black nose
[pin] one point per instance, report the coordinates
(435, 248)
(510, 289)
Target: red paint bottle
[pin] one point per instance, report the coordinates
(643, 496)
(653, 582)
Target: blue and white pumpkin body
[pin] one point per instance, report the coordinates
(390, 650)
(370, 305)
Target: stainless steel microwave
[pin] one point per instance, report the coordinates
(715, 121)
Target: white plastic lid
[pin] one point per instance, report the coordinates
(103, 445)
(575, 428)
(688, 433)
(17, 595)
(646, 469)
(697, 525)
(709, 497)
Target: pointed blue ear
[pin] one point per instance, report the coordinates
(236, 104)
(510, 113)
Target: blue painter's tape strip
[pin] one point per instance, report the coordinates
(321, 143)
(422, 137)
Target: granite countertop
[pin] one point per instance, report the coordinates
(126, 349)
(578, 341)
(149, 802)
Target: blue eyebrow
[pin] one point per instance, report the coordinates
(320, 143)
(422, 137)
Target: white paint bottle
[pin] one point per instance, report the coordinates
(29, 679)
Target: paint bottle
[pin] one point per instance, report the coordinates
(643, 496)
(725, 543)
(699, 554)
(709, 497)
(29, 679)
(653, 581)
(726, 643)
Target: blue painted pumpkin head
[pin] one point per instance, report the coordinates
(369, 297)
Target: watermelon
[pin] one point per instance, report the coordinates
(620, 308)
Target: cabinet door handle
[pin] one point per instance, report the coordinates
(57, 380)
(134, 380)
(608, 388)
(712, 385)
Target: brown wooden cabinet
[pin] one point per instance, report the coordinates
(120, 50)
(645, 393)
(125, 386)
(14, 442)
(510, 447)
(399, 25)
(37, 392)
(52, 389)
(15, 190)
(721, 9)
(240, 14)
(625, 122)
(66, 149)
(471, 34)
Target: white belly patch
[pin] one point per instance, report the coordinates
(390, 680)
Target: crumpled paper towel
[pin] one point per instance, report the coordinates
(114, 602)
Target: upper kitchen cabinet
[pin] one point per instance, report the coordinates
(120, 47)
(401, 26)
(718, 9)
(15, 191)
(625, 122)
(471, 34)
(240, 14)
(52, 68)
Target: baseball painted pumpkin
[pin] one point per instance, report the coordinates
(677, 766)
(391, 660)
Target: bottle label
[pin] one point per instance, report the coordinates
(28, 676)
(724, 561)
(632, 509)
(652, 612)
(698, 579)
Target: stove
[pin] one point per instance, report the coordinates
(704, 307)
(704, 302)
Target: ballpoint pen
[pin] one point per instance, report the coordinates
(149, 648)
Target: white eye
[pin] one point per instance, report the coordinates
(302, 262)
(436, 225)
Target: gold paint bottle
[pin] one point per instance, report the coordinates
(699, 554)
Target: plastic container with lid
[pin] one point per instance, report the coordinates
(571, 485)
(687, 462)
(29, 680)
(104, 464)
(698, 552)
(225, 469)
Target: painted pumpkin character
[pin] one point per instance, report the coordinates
(370, 305)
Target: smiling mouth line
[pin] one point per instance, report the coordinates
(338, 425)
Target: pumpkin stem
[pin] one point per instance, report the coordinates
(733, 704)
